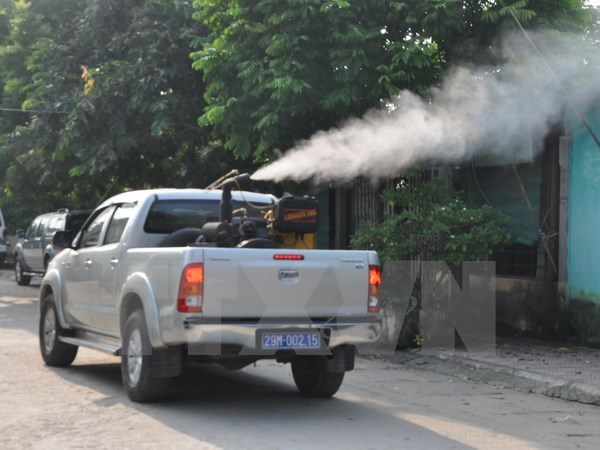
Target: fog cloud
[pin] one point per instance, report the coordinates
(475, 110)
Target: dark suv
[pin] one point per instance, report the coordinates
(34, 250)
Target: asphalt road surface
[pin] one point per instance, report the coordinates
(380, 405)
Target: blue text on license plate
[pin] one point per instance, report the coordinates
(290, 340)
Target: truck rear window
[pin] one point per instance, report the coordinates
(167, 216)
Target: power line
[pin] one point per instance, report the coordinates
(34, 111)
(574, 108)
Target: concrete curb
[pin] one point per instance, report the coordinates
(521, 380)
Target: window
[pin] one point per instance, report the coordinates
(118, 223)
(57, 223)
(75, 221)
(92, 234)
(517, 260)
(167, 216)
(32, 230)
(43, 226)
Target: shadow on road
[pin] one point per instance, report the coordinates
(214, 405)
(250, 408)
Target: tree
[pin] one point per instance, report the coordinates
(278, 71)
(274, 73)
(25, 138)
(129, 123)
(134, 118)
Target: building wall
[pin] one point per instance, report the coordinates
(500, 187)
(530, 307)
(583, 237)
(583, 257)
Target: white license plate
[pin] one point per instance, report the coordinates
(290, 340)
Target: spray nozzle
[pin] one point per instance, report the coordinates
(240, 181)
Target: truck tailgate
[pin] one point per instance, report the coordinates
(255, 283)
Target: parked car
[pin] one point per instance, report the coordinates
(3, 250)
(3, 244)
(34, 250)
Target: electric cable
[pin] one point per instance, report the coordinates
(558, 82)
(34, 111)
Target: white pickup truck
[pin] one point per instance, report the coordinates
(165, 277)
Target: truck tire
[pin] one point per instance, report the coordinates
(312, 378)
(137, 372)
(54, 352)
(22, 280)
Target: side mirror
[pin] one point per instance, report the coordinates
(62, 239)
(21, 233)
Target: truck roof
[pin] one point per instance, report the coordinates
(187, 194)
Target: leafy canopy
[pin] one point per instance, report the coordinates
(278, 71)
(130, 122)
(275, 72)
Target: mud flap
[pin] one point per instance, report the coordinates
(341, 360)
(167, 362)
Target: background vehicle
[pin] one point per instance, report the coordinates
(3, 243)
(34, 250)
(166, 277)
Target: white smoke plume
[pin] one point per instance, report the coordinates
(473, 111)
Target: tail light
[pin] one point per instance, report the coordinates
(191, 289)
(373, 304)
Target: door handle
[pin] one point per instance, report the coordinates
(87, 262)
(114, 262)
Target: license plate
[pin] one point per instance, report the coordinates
(290, 340)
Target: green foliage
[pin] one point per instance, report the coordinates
(278, 71)
(433, 223)
(275, 72)
(136, 124)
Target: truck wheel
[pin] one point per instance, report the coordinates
(22, 280)
(54, 352)
(312, 379)
(136, 369)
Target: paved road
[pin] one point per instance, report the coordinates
(380, 405)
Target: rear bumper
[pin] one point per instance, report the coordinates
(207, 336)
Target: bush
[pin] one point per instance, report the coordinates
(428, 223)
(432, 222)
